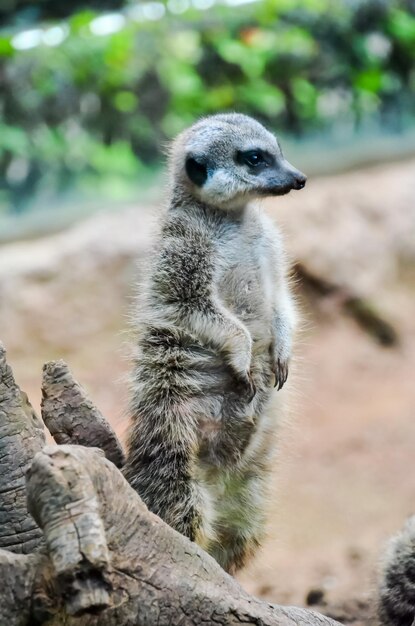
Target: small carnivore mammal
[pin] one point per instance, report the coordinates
(215, 332)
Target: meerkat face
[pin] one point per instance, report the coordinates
(226, 160)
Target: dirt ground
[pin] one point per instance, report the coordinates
(344, 481)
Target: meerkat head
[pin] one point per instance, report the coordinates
(225, 160)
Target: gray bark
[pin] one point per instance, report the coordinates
(21, 436)
(105, 559)
(71, 417)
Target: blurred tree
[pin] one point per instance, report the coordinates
(92, 99)
(26, 11)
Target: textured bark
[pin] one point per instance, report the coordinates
(105, 559)
(62, 499)
(21, 436)
(17, 575)
(71, 417)
(108, 550)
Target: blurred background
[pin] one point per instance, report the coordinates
(90, 94)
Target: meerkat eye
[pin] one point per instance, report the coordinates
(254, 158)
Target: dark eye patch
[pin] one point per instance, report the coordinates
(255, 159)
(196, 171)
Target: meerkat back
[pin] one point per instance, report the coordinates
(215, 337)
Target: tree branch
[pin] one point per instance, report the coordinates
(71, 417)
(62, 499)
(17, 575)
(129, 558)
(21, 436)
(362, 310)
(104, 553)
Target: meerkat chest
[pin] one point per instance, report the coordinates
(245, 278)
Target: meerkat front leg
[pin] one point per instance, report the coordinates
(215, 325)
(283, 322)
(186, 279)
(280, 349)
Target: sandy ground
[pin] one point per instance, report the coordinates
(343, 481)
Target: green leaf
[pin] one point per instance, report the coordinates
(125, 101)
(6, 48)
(263, 97)
(402, 26)
(81, 20)
(14, 140)
(369, 80)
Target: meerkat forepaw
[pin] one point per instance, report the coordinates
(280, 372)
(239, 356)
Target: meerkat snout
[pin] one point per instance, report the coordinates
(300, 181)
(229, 159)
(295, 179)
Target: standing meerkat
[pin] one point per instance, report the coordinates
(216, 325)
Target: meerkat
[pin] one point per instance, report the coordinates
(396, 589)
(215, 335)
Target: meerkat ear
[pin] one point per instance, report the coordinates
(196, 169)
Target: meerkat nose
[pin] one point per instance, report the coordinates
(300, 181)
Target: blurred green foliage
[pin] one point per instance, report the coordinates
(93, 104)
(23, 11)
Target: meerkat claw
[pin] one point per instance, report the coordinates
(274, 371)
(280, 371)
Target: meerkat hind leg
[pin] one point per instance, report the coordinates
(240, 522)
